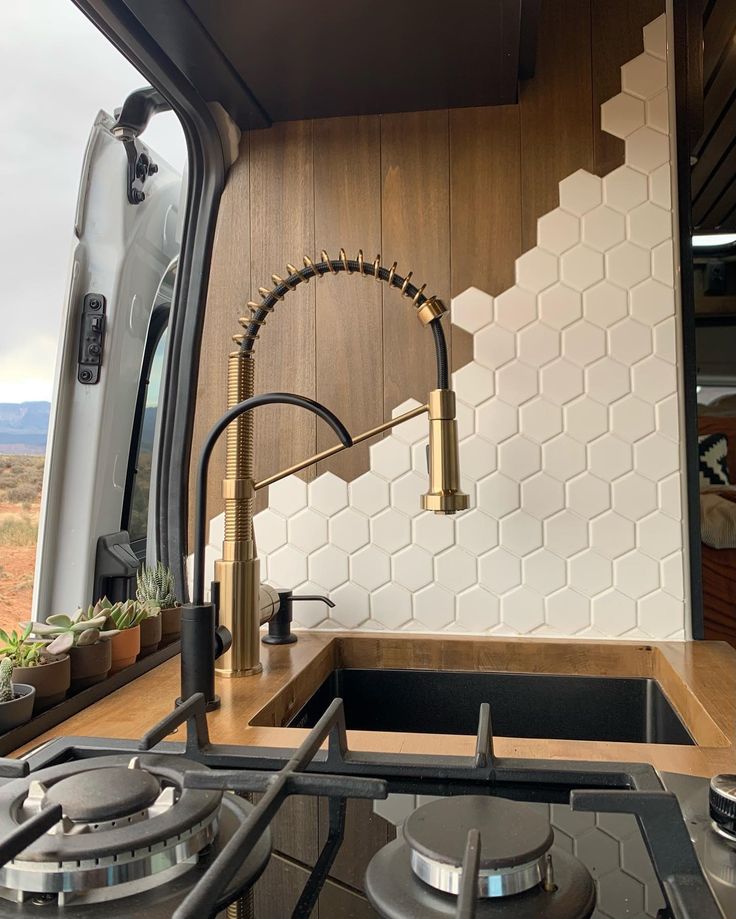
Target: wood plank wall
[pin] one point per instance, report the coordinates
(453, 196)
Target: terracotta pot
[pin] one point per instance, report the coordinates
(90, 664)
(51, 681)
(126, 646)
(19, 710)
(170, 624)
(150, 634)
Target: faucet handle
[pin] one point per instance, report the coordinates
(279, 626)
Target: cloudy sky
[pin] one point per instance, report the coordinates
(56, 72)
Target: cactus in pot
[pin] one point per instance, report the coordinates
(123, 619)
(16, 699)
(6, 687)
(34, 665)
(156, 591)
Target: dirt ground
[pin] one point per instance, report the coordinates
(16, 584)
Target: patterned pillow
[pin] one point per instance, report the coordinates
(713, 451)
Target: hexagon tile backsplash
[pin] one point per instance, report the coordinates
(569, 424)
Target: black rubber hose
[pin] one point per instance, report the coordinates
(335, 266)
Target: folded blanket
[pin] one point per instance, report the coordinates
(717, 521)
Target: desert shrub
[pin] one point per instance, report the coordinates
(16, 530)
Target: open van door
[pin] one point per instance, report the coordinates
(112, 340)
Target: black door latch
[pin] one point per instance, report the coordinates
(91, 339)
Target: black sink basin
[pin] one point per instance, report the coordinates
(626, 709)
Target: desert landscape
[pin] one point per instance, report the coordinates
(21, 478)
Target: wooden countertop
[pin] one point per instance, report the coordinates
(699, 679)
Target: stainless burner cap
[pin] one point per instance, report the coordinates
(102, 795)
(722, 800)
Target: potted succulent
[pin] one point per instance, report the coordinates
(33, 665)
(16, 699)
(81, 637)
(150, 630)
(156, 590)
(123, 620)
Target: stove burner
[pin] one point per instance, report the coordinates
(102, 795)
(515, 840)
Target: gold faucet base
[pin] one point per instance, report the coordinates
(235, 674)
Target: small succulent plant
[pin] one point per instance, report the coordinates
(6, 687)
(64, 632)
(155, 586)
(19, 650)
(121, 616)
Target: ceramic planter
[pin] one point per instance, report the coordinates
(51, 681)
(125, 647)
(90, 664)
(19, 710)
(170, 624)
(150, 634)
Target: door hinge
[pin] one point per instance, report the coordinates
(91, 339)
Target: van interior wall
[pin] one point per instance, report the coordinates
(453, 196)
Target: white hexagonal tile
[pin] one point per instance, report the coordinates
(544, 571)
(665, 340)
(627, 264)
(636, 574)
(518, 458)
(477, 609)
(270, 529)
(472, 309)
(568, 612)
(660, 187)
(652, 302)
(328, 494)
(497, 420)
(654, 379)
(391, 605)
(644, 76)
(352, 605)
(287, 567)
(632, 419)
(590, 573)
(659, 535)
(540, 420)
(391, 530)
(516, 382)
(588, 495)
(622, 114)
(646, 149)
(288, 496)
(581, 267)
(661, 614)
(557, 231)
(580, 192)
(328, 566)
(607, 380)
(407, 490)
(499, 571)
(477, 459)
(559, 306)
(498, 495)
(612, 535)
(634, 496)
(673, 575)
(520, 533)
(434, 606)
(370, 567)
(456, 569)
(523, 609)
(624, 188)
(494, 346)
(390, 458)
(542, 496)
(668, 417)
(349, 530)
(413, 568)
(603, 228)
(411, 431)
(476, 531)
(216, 530)
(630, 341)
(583, 343)
(663, 264)
(515, 308)
(610, 457)
(561, 381)
(465, 415)
(566, 533)
(613, 613)
(536, 269)
(649, 225)
(670, 495)
(605, 304)
(656, 456)
(563, 457)
(658, 112)
(369, 493)
(585, 419)
(655, 37)
(307, 531)
(314, 615)
(433, 532)
(538, 344)
(473, 383)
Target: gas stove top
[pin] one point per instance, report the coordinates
(92, 827)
